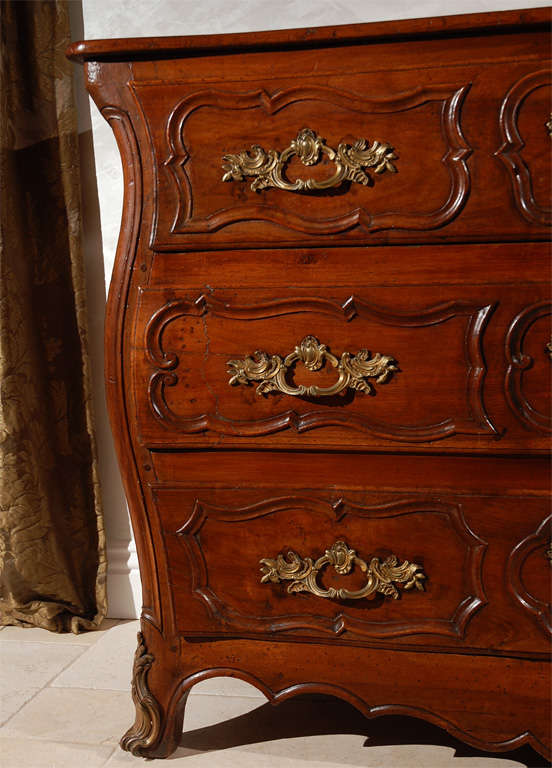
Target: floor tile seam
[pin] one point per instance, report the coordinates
(262, 699)
(53, 740)
(27, 701)
(262, 702)
(87, 687)
(116, 747)
(58, 644)
(97, 635)
(48, 684)
(230, 696)
(65, 742)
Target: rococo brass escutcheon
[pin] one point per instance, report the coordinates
(303, 573)
(270, 370)
(268, 168)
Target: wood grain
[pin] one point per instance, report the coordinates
(442, 266)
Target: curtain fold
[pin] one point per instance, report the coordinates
(52, 544)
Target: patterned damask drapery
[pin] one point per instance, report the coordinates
(52, 547)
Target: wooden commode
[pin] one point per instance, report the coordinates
(328, 360)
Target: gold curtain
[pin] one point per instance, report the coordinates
(52, 546)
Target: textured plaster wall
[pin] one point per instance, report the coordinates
(140, 18)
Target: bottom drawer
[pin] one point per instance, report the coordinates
(410, 568)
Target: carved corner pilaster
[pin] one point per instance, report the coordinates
(144, 734)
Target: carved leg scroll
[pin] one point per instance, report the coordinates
(144, 734)
(157, 729)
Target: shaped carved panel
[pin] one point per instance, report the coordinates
(208, 124)
(515, 147)
(522, 366)
(438, 350)
(222, 547)
(530, 571)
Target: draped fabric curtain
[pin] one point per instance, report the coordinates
(52, 547)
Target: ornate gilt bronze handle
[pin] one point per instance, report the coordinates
(268, 168)
(270, 370)
(303, 573)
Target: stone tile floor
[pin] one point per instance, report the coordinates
(65, 702)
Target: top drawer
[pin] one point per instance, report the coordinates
(272, 152)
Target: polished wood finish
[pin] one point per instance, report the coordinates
(441, 27)
(442, 266)
(436, 334)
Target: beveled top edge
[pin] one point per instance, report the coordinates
(146, 48)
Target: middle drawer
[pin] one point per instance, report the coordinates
(378, 366)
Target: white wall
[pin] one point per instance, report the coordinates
(139, 18)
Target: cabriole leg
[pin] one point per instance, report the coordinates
(157, 729)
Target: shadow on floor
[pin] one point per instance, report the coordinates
(315, 716)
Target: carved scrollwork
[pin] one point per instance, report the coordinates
(533, 543)
(303, 573)
(519, 362)
(165, 362)
(185, 220)
(268, 168)
(270, 370)
(145, 732)
(448, 619)
(510, 152)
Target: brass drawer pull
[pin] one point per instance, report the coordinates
(303, 573)
(268, 168)
(270, 370)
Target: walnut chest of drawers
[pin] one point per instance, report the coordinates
(328, 363)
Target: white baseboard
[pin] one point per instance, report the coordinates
(124, 589)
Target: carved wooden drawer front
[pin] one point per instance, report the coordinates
(265, 562)
(353, 158)
(377, 366)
